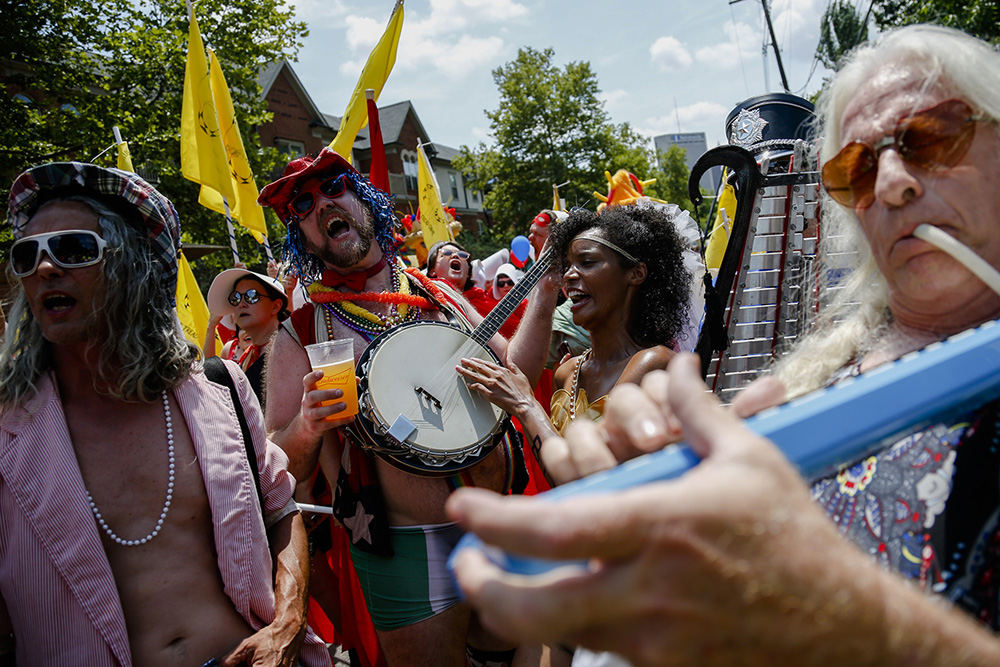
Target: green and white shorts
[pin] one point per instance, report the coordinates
(414, 584)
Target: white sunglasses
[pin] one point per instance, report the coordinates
(69, 248)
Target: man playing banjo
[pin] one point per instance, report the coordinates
(341, 245)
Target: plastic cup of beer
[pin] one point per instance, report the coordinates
(336, 359)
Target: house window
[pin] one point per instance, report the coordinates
(294, 149)
(453, 179)
(410, 170)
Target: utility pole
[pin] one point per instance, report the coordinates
(774, 42)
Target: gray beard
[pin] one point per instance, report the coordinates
(351, 254)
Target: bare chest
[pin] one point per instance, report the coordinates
(125, 460)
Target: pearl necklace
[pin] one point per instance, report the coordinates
(166, 503)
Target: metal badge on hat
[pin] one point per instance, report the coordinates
(747, 128)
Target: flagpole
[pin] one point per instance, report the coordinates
(232, 232)
(267, 250)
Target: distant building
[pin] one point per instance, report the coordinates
(300, 128)
(695, 146)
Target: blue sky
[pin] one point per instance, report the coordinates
(662, 66)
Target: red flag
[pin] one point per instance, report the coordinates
(378, 173)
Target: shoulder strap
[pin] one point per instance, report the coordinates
(216, 371)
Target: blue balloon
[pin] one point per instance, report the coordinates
(520, 247)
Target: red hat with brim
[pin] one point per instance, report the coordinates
(278, 194)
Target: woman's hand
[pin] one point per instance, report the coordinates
(506, 388)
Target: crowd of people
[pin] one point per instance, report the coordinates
(148, 493)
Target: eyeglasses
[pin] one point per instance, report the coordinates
(70, 249)
(251, 296)
(448, 252)
(935, 138)
(304, 202)
(504, 282)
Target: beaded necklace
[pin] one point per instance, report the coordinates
(166, 503)
(341, 305)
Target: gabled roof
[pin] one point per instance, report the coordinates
(445, 152)
(391, 118)
(269, 74)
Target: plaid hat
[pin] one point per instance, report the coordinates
(280, 193)
(134, 199)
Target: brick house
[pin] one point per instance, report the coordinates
(300, 128)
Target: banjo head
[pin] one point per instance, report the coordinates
(416, 409)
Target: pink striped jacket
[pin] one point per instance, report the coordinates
(54, 576)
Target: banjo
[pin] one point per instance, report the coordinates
(414, 409)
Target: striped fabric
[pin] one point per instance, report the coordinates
(54, 575)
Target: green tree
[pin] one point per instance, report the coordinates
(672, 178)
(90, 65)
(976, 17)
(842, 28)
(550, 127)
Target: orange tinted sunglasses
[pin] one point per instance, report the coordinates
(934, 138)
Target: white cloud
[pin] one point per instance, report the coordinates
(480, 134)
(740, 42)
(363, 32)
(447, 40)
(489, 10)
(320, 13)
(669, 54)
(707, 117)
(613, 98)
(796, 26)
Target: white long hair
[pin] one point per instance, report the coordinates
(859, 313)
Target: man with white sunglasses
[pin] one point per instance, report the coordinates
(132, 529)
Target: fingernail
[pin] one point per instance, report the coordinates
(649, 428)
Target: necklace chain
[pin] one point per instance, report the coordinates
(576, 384)
(166, 503)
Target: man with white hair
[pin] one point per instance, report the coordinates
(736, 561)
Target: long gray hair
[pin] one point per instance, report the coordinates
(140, 348)
(859, 314)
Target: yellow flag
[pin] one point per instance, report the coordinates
(203, 157)
(245, 208)
(373, 76)
(433, 221)
(718, 238)
(556, 201)
(124, 157)
(192, 310)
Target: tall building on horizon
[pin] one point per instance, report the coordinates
(695, 145)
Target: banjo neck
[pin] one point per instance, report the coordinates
(492, 323)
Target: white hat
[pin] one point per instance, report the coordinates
(511, 272)
(222, 287)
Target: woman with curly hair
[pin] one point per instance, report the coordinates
(623, 270)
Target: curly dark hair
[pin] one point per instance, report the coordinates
(648, 234)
